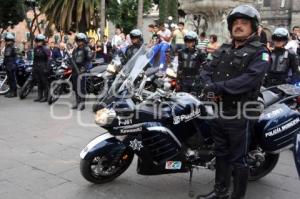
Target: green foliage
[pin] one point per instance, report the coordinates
(168, 8)
(125, 14)
(71, 14)
(11, 13)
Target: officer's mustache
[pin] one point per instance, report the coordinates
(238, 30)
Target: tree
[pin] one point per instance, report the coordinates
(140, 14)
(11, 13)
(103, 17)
(125, 14)
(167, 8)
(34, 23)
(72, 14)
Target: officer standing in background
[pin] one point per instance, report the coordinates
(41, 68)
(82, 56)
(283, 60)
(10, 56)
(235, 75)
(136, 38)
(190, 61)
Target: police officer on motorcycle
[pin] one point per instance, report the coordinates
(190, 61)
(283, 60)
(82, 56)
(10, 64)
(136, 38)
(233, 78)
(41, 68)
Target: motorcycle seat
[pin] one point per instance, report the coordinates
(98, 69)
(269, 97)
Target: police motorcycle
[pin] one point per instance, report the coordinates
(57, 67)
(22, 73)
(61, 80)
(162, 129)
(4, 88)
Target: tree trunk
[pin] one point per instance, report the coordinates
(173, 10)
(140, 14)
(163, 9)
(102, 23)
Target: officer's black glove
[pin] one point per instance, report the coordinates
(209, 92)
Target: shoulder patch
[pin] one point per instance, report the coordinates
(265, 57)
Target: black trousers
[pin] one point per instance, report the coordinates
(41, 76)
(232, 139)
(12, 80)
(79, 86)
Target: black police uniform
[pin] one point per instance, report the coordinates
(129, 52)
(190, 63)
(82, 57)
(41, 71)
(283, 61)
(10, 65)
(235, 74)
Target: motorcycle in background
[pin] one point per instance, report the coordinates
(22, 73)
(61, 80)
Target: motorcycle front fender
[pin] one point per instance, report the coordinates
(103, 144)
(297, 153)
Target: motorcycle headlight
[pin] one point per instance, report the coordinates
(105, 116)
(111, 68)
(171, 73)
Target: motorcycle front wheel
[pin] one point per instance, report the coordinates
(4, 88)
(55, 92)
(98, 170)
(26, 88)
(263, 168)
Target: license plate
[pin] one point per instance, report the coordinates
(173, 165)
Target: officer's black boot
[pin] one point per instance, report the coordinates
(45, 97)
(240, 182)
(75, 106)
(222, 181)
(40, 95)
(8, 93)
(12, 94)
(81, 104)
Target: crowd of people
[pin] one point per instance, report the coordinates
(175, 44)
(233, 71)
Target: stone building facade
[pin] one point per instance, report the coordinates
(274, 13)
(279, 13)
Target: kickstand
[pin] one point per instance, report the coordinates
(191, 191)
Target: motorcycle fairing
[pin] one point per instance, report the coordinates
(277, 127)
(297, 153)
(104, 144)
(159, 145)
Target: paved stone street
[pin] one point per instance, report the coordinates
(39, 158)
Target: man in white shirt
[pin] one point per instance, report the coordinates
(117, 39)
(165, 38)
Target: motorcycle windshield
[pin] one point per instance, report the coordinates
(130, 71)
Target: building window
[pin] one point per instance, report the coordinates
(267, 3)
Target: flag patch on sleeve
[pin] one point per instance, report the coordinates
(265, 57)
